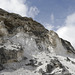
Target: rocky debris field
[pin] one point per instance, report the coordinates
(27, 48)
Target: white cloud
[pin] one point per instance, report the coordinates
(68, 30)
(33, 11)
(18, 6)
(49, 26)
(52, 18)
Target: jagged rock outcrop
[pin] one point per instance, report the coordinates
(56, 65)
(27, 48)
(10, 53)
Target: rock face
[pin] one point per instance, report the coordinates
(55, 64)
(27, 48)
(10, 53)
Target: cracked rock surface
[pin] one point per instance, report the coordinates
(27, 48)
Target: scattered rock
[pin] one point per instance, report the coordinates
(25, 58)
(39, 63)
(32, 63)
(68, 59)
(49, 68)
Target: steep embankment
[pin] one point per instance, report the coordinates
(27, 48)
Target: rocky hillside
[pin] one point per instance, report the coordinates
(27, 48)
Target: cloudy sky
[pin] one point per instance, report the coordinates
(57, 15)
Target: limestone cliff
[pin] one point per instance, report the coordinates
(27, 48)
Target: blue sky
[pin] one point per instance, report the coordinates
(59, 8)
(57, 15)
